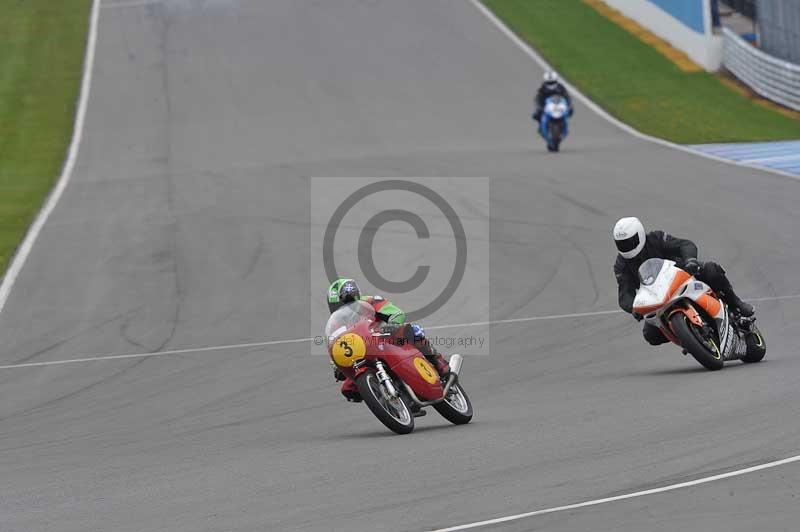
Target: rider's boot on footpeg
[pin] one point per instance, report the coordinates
(744, 308)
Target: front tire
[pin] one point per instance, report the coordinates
(392, 412)
(693, 341)
(756, 347)
(555, 135)
(456, 407)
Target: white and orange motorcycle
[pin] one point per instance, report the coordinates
(690, 315)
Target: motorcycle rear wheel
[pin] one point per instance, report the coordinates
(756, 347)
(392, 412)
(456, 408)
(692, 340)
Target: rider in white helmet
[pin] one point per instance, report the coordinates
(550, 86)
(636, 246)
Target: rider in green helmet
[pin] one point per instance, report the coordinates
(343, 291)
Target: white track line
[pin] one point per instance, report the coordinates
(157, 353)
(671, 487)
(267, 343)
(66, 172)
(530, 318)
(601, 112)
(131, 3)
(775, 159)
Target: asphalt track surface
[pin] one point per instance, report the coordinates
(186, 225)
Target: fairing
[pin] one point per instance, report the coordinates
(667, 289)
(353, 335)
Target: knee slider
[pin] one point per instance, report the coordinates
(653, 336)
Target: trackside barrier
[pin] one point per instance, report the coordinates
(770, 77)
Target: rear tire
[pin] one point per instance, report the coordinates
(756, 347)
(394, 413)
(456, 408)
(690, 339)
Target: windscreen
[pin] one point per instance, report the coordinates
(649, 270)
(347, 316)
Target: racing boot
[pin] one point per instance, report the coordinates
(350, 391)
(733, 301)
(435, 358)
(441, 365)
(715, 276)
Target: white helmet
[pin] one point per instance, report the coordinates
(550, 77)
(629, 237)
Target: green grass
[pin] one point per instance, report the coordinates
(634, 82)
(42, 44)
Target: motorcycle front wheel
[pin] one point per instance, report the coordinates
(555, 135)
(704, 350)
(391, 411)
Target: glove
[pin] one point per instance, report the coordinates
(571, 111)
(337, 374)
(419, 332)
(692, 266)
(637, 316)
(390, 329)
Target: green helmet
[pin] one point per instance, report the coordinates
(341, 292)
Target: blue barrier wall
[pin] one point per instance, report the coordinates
(689, 12)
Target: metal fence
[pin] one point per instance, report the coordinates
(779, 28)
(772, 78)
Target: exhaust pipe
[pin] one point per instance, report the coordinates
(456, 361)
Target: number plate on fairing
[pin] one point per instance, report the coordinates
(347, 349)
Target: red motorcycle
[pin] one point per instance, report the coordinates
(392, 376)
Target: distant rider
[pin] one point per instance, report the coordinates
(344, 291)
(550, 87)
(635, 246)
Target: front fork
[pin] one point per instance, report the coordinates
(690, 312)
(696, 319)
(386, 380)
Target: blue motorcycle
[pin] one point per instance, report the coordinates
(554, 122)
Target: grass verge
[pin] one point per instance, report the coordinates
(634, 82)
(42, 45)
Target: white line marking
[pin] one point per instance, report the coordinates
(672, 487)
(66, 172)
(131, 3)
(530, 52)
(775, 159)
(773, 298)
(157, 354)
(302, 340)
(531, 318)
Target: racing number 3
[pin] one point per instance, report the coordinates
(426, 371)
(347, 349)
